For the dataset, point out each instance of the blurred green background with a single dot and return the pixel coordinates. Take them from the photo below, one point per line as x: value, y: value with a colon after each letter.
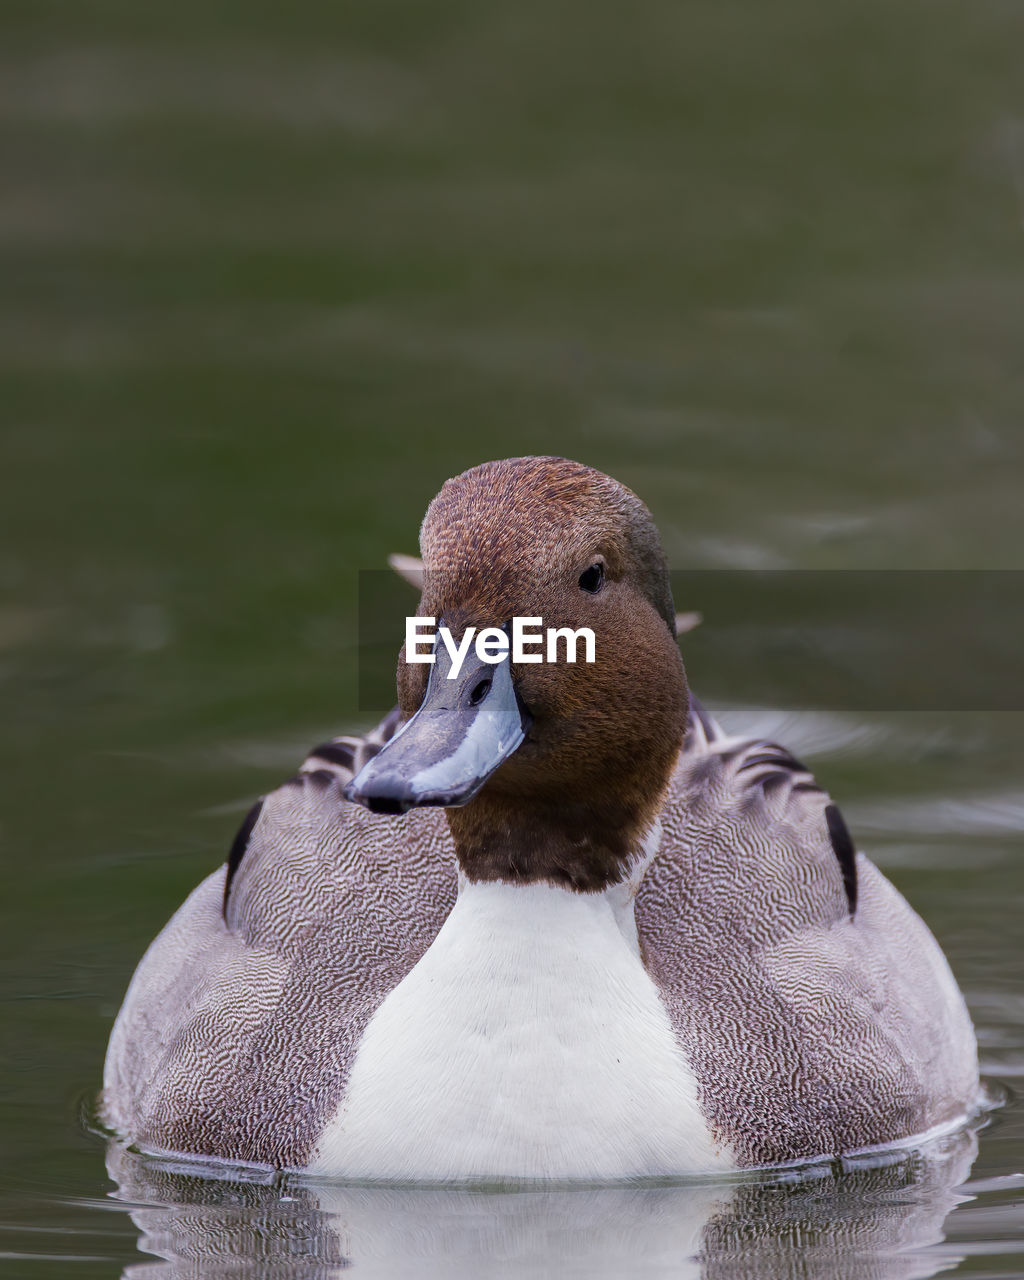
x: 271, y: 273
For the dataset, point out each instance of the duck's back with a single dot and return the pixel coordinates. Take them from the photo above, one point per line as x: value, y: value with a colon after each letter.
x: 818, y: 1012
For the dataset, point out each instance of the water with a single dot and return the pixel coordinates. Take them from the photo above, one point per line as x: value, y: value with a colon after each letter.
x: 269, y: 276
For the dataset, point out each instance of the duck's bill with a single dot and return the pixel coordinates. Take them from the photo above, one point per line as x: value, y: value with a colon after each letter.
x: 464, y: 729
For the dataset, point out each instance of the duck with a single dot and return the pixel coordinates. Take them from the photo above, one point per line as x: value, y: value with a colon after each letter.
x: 548, y: 921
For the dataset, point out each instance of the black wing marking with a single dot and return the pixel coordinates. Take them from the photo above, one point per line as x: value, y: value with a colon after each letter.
x: 340, y: 753
x: 346, y: 756
x: 238, y: 848
x: 842, y: 843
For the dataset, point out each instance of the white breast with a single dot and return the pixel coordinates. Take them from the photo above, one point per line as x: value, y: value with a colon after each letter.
x: 528, y: 1042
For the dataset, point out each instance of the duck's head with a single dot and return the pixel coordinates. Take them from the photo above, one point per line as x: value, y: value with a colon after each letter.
x: 548, y: 770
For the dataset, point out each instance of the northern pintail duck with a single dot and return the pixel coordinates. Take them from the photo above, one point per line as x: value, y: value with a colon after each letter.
x: 547, y: 921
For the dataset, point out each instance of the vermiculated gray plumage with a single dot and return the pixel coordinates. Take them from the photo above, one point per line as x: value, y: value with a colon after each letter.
x: 810, y: 1028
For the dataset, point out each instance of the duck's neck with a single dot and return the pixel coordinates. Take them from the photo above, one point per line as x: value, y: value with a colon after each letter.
x: 582, y: 847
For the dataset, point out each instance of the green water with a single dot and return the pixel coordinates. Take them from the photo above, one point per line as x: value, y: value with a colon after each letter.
x: 269, y: 275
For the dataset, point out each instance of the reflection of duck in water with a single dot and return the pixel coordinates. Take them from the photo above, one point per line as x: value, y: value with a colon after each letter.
x: 662, y: 954
x: 867, y: 1224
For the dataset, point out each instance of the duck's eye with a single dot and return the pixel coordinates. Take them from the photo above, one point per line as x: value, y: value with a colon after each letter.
x: 592, y: 579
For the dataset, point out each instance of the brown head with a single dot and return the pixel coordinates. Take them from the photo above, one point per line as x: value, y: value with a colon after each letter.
x: 548, y: 770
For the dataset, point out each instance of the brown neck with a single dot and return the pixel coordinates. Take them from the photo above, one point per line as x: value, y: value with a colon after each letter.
x: 581, y: 846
